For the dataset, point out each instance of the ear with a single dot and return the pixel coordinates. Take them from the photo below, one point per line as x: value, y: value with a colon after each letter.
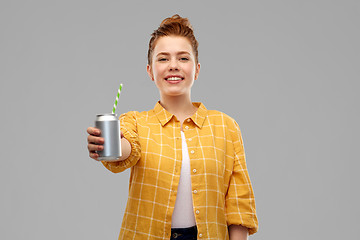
x: 197, y: 70
x: 150, y: 73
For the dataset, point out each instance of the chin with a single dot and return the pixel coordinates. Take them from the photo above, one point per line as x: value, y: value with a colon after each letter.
x: 174, y: 94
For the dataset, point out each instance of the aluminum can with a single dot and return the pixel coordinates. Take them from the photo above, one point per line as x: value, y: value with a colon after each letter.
x: 109, y: 126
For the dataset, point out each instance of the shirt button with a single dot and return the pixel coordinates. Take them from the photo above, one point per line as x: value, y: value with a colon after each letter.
x: 194, y: 170
x: 197, y: 211
x: 195, y: 191
x: 188, y: 120
x: 187, y: 127
x: 200, y: 235
x: 192, y: 151
x: 190, y: 139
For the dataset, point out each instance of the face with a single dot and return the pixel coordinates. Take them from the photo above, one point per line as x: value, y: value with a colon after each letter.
x: 173, y: 67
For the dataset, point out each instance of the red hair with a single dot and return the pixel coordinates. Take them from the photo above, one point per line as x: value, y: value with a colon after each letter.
x: 174, y: 26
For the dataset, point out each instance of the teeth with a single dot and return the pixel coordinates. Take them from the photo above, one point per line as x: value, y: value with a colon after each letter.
x: 174, y: 79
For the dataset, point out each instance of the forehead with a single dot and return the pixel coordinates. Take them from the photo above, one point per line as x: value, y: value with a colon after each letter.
x: 172, y: 44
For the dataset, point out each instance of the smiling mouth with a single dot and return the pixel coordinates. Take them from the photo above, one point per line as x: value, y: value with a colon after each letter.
x: 174, y: 79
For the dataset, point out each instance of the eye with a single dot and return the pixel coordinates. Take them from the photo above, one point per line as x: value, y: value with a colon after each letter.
x: 184, y: 59
x: 162, y: 59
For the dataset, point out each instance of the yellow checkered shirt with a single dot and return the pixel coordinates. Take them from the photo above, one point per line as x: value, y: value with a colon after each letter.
x: 223, y: 195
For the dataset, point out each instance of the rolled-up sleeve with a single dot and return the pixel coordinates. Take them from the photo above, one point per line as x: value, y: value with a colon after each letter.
x: 129, y: 130
x: 240, y: 200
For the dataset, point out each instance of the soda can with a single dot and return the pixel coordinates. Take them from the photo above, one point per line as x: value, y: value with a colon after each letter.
x: 109, y: 126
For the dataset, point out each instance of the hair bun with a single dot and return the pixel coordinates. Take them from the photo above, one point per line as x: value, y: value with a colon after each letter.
x: 174, y: 26
x: 176, y: 19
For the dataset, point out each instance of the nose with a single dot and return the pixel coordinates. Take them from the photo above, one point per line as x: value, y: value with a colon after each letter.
x: 173, y: 65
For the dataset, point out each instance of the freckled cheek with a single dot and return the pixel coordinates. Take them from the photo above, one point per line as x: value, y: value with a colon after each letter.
x: 159, y: 72
x: 190, y: 71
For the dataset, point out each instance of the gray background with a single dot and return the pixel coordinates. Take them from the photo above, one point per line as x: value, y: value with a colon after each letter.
x: 287, y: 71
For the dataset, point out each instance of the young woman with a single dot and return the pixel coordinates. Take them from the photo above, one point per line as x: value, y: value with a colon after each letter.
x: 188, y: 172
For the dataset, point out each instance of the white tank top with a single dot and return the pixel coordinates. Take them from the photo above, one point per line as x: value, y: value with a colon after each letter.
x: 183, y: 215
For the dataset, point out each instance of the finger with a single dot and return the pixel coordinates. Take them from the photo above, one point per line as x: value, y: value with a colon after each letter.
x: 95, y: 140
x: 93, y: 131
x: 93, y: 148
x: 94, y: 156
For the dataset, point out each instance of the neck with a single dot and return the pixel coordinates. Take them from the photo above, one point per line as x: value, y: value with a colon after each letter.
x: 180, y: 106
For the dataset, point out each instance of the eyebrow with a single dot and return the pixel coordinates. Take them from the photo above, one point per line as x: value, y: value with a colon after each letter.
x: 178, y: 53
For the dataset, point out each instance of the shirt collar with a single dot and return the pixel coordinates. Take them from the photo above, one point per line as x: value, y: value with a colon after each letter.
x: 164, y: 116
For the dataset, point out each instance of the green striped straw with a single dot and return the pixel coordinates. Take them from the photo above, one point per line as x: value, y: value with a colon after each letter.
x: 117, y: 98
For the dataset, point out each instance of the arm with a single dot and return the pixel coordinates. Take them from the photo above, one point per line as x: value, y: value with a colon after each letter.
x: 238, y: 232
x: 240, y: 200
